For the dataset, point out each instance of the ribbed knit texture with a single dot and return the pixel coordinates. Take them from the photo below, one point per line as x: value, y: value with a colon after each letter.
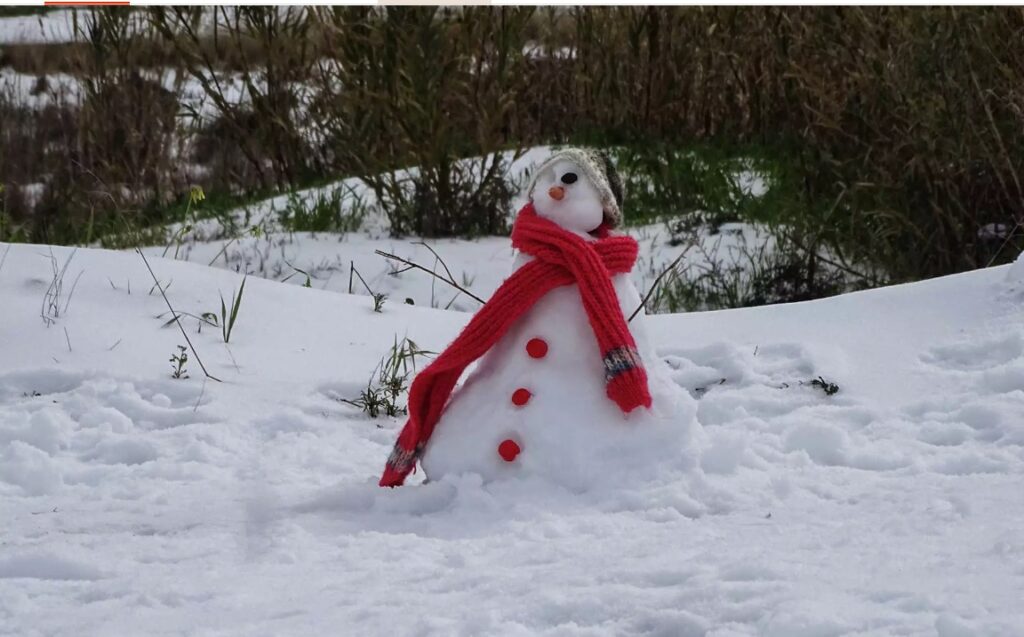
x: 560, y: 258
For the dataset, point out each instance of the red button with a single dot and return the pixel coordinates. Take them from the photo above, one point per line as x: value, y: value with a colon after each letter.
x: 508, y: 450
x: 521, y: 396
x: 537, y: 348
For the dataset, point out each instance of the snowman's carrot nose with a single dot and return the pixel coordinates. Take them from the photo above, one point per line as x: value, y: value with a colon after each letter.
x: 556, y: 192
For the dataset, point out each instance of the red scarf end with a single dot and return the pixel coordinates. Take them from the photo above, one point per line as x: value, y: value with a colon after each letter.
x: 628, y: 390
x: 400, y: 463
x: 392, y: 478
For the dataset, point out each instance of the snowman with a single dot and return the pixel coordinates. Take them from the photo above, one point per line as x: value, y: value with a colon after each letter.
x: 566, y: 388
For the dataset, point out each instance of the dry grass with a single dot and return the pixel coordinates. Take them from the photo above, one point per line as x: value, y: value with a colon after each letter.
x: 904, y: 125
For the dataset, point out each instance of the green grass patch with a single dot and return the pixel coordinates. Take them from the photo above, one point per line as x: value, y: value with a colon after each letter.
x: 705, y: 184
x: 324, y: 211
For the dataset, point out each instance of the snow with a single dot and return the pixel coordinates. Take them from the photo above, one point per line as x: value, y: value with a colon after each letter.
x: 538, y: 51
x: 135, y: 503
x: 49, y: 27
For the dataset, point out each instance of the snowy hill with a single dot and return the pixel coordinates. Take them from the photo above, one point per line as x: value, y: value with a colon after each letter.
x: 325, y: 260
x: 134, y: 503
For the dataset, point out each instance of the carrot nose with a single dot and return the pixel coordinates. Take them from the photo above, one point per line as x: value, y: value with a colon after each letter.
x: 556, y: 192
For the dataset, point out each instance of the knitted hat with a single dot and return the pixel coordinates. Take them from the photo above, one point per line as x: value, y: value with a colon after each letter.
x: 600, y: 171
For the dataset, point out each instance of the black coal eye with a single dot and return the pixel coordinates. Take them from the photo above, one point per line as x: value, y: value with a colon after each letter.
x: 569, y: 178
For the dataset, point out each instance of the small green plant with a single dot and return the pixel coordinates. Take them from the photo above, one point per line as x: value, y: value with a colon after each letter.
x: 209, y: 318
x: 195, y: 195
x: 386, y: 390
x: 206, y: 318
x: 378, y: 297
x: 178, y: 362
x: 324, y: 212
x: 227, y: 319
x: 309, y: 281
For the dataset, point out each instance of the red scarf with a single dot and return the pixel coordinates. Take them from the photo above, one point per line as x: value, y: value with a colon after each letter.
x: 560, y: 258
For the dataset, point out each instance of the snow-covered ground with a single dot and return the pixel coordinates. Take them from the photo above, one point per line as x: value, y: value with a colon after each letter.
x: 133, y: 503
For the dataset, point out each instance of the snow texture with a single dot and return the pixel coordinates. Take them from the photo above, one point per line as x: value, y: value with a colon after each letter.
x: 137, y: 504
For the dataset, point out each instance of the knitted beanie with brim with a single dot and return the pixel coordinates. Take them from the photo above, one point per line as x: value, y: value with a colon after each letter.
x: 599, y: 170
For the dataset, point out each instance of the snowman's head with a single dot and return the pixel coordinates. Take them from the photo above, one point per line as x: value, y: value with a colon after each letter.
x: 564, y: 194
x: 579, y: 189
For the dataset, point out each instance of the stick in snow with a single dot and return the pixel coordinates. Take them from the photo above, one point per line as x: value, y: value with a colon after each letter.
x: 411, y: 265
x: 654, y: 286
x: 175, y: 315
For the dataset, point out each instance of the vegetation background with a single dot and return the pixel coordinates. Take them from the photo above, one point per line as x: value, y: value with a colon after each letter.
x: 893, y: 136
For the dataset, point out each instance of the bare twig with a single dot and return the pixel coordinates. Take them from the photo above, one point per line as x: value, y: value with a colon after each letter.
x: 654, y: 286
x: 438, y: 257
x: 363, y: 281
x: 162, y: 288
x: 200, y: 319
x: 875, y: 281
x: 378, y: 297
x: 232, y: 357
x: 202, y: 391
x: 222, y: 251
x: 67, y: 338
x: 5, y: 256
x: 74, y: 285
x: 413, y: 265
x: 181, y: 327
x: 51, y: 308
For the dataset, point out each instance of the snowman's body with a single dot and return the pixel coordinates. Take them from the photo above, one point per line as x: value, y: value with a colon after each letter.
x: 542, y: 386
x: 569, y: 431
